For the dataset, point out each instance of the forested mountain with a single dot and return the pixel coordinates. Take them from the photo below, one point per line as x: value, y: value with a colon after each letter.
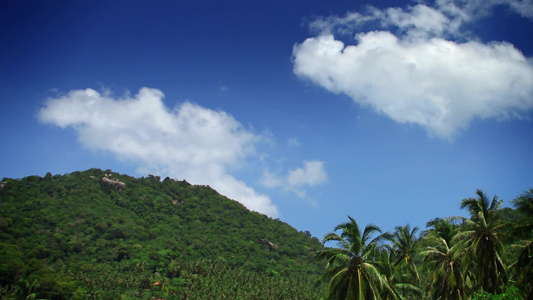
x: 101, y: 235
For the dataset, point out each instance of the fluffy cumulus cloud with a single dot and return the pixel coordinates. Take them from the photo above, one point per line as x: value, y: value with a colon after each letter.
x: 190, y: 141
x: 417, y: 66
x: 311, y: 174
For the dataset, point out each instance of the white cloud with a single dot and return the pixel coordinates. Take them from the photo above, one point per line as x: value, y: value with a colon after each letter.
x: 313, y: 173
x: 270, y: 180
x: 522, y: 7
x: 482, y: 8
x: 293, y: 142
x: 222, y: 89
x: 190, y: 141
x: 420, y: 20
x: 415, y: 75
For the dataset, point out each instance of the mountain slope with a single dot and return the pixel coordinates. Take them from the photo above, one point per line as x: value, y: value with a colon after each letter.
x: 101, y: 235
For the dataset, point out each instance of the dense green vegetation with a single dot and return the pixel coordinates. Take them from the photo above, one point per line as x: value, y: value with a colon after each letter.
x: 486, y: 256
x: 79, y: 236
x: 76, y: 236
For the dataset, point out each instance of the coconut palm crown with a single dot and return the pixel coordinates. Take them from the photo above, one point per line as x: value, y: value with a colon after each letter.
x: 448, y: 280
x: 405, y: 245
x: 351, y: 268
x: 482, y: 236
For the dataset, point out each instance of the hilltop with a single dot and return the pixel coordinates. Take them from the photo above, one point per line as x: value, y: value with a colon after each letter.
x: 102, y: 235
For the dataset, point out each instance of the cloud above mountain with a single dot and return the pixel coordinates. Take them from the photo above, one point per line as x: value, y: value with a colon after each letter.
x: 419, y: 65
x: 312, y: 173
x: 189, y: 142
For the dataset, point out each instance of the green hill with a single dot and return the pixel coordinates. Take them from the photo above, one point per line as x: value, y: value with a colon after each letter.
x: 85, y: 235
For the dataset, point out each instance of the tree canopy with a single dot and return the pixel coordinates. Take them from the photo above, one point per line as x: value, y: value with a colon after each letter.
x: 82, y: 235
x: 102, y: 235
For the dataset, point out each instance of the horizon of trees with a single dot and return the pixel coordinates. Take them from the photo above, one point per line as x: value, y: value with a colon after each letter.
x: 486, y: 256
x: 72, y: 237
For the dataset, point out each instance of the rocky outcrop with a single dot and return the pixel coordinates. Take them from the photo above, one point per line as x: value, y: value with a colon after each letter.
x: 271, y: 245
x: 113, y: 182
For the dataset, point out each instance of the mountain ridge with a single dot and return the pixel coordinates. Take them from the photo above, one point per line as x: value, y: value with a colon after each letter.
x: 76, y: 225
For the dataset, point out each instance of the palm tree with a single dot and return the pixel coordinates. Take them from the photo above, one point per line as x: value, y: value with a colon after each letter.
x: 351, y: 268
x: 385, y: 266
x: 525, y: 202
x: 481, y: 235
x: 443, y: 258
x: 445, y: 228
x: 524, y: 264
x: 394, y: 277
x: 404, y: 247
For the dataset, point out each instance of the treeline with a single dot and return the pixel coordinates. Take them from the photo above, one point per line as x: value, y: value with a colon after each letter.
x: 79, y: 236
x: 486, y: 256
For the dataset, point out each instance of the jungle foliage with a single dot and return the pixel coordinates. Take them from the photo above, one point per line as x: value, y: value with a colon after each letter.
x: 73, y: 236
x: 77, y: 236
x: 486, y: 256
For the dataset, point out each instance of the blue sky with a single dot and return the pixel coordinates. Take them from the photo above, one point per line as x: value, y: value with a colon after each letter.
x: 307, y: 111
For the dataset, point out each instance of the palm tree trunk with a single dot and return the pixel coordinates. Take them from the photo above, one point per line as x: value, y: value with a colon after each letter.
x: 359, y: 285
